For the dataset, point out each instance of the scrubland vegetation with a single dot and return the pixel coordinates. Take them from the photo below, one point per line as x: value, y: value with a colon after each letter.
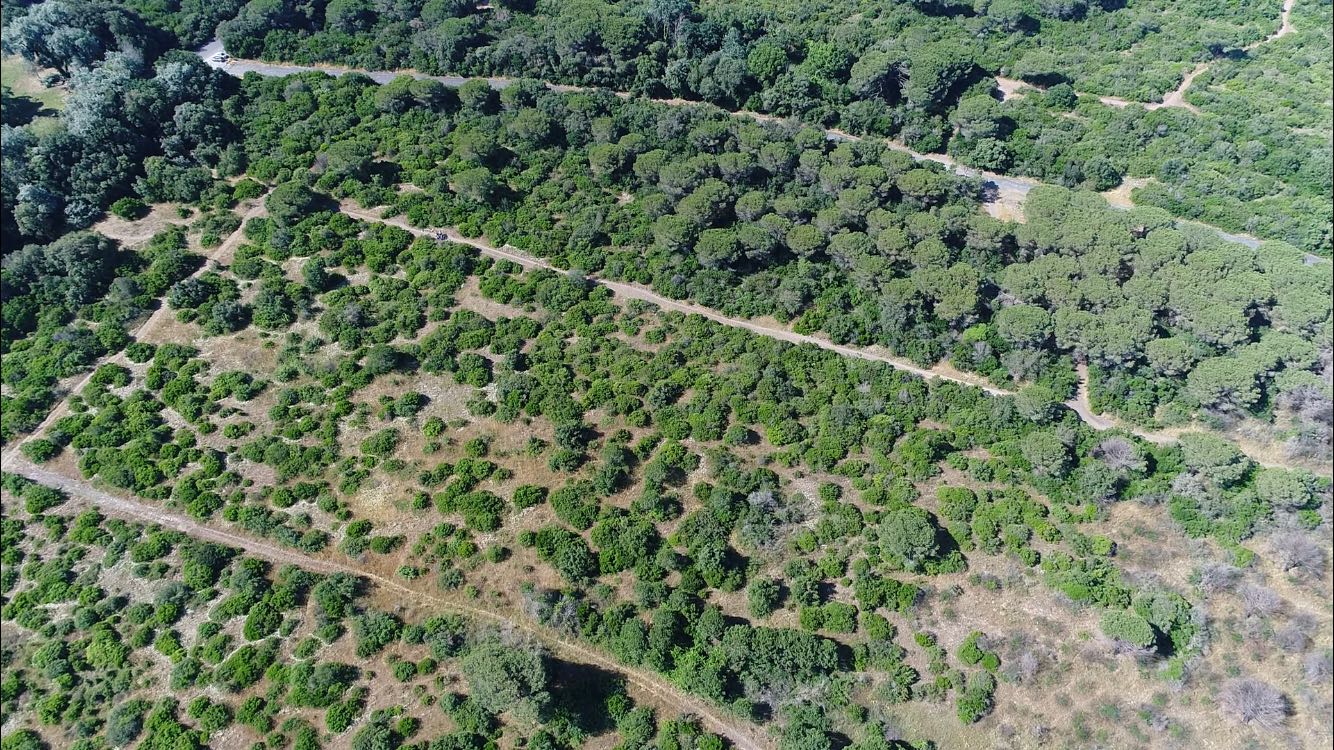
x: 691, y: 535
x: 125, y: 635
x: 922, y: 72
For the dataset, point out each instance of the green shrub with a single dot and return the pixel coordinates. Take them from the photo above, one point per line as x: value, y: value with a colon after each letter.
x: 375, y: 630
x: 1128, y: 627
x: 129, y: 208
x: 528, y: 495
x: 40, y: 450
x: 382, y: 443
x: 840, y: 617
x: 39, y: 498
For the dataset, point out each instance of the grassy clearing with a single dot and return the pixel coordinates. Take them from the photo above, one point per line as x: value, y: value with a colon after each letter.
x: 21, y: 78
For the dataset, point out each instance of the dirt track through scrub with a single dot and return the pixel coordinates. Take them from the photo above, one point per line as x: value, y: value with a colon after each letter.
x: 1177, y: 97
x: 220, y: 254
x: 737, y: 731
x: 634, y: 291
x: 1009, y: 191
x: 1080, y: 404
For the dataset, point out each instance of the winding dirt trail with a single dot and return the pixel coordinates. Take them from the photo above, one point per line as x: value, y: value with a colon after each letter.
x: 1008, y: 188
x: 1177, y: 97
x: 1284, y: 27
x: 1009, y: 191
x: 742, y: 734
x: 1084, y: 408
x: 221, y: 254
x: 1080, y: 405
x: 635, y: 291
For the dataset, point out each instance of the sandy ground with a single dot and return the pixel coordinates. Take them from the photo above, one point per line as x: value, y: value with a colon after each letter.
x: 1119, y: 196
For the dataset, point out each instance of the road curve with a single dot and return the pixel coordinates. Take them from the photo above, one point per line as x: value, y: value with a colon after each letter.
x: 737, y: 731
x: 1177, y: 97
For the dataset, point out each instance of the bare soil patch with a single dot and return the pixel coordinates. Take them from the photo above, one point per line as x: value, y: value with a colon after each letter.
x: 135, y: 232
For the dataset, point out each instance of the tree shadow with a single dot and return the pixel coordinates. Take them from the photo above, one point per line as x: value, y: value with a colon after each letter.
x: 582, y: 690
x: 945, y: 9
x: 1028, y: 25
x: 389, y: 173
x: 956, y: 90
x: 1045, y: 80
x: 19, y: 109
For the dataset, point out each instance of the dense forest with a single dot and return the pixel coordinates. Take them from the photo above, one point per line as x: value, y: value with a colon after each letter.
x: 508, y: 490
x: 923, y: 73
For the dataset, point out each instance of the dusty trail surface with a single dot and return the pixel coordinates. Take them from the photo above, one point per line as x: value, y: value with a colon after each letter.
x: 1080, y: 404
x: 738, y: 732
x: 634, y: 291
x: 1009, y: 191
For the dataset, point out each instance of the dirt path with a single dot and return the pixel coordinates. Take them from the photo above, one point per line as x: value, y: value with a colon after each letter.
x: 221, y: 254
x: 1008, y: 191
x: 1262, y: 454
x: 1080, y: 404
x: 740, y: 733
x: 1177, y: 97
x: 1284, y: 27
x: 634, y: 291
x: 1084, y: 408
x: 1120, y: 196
